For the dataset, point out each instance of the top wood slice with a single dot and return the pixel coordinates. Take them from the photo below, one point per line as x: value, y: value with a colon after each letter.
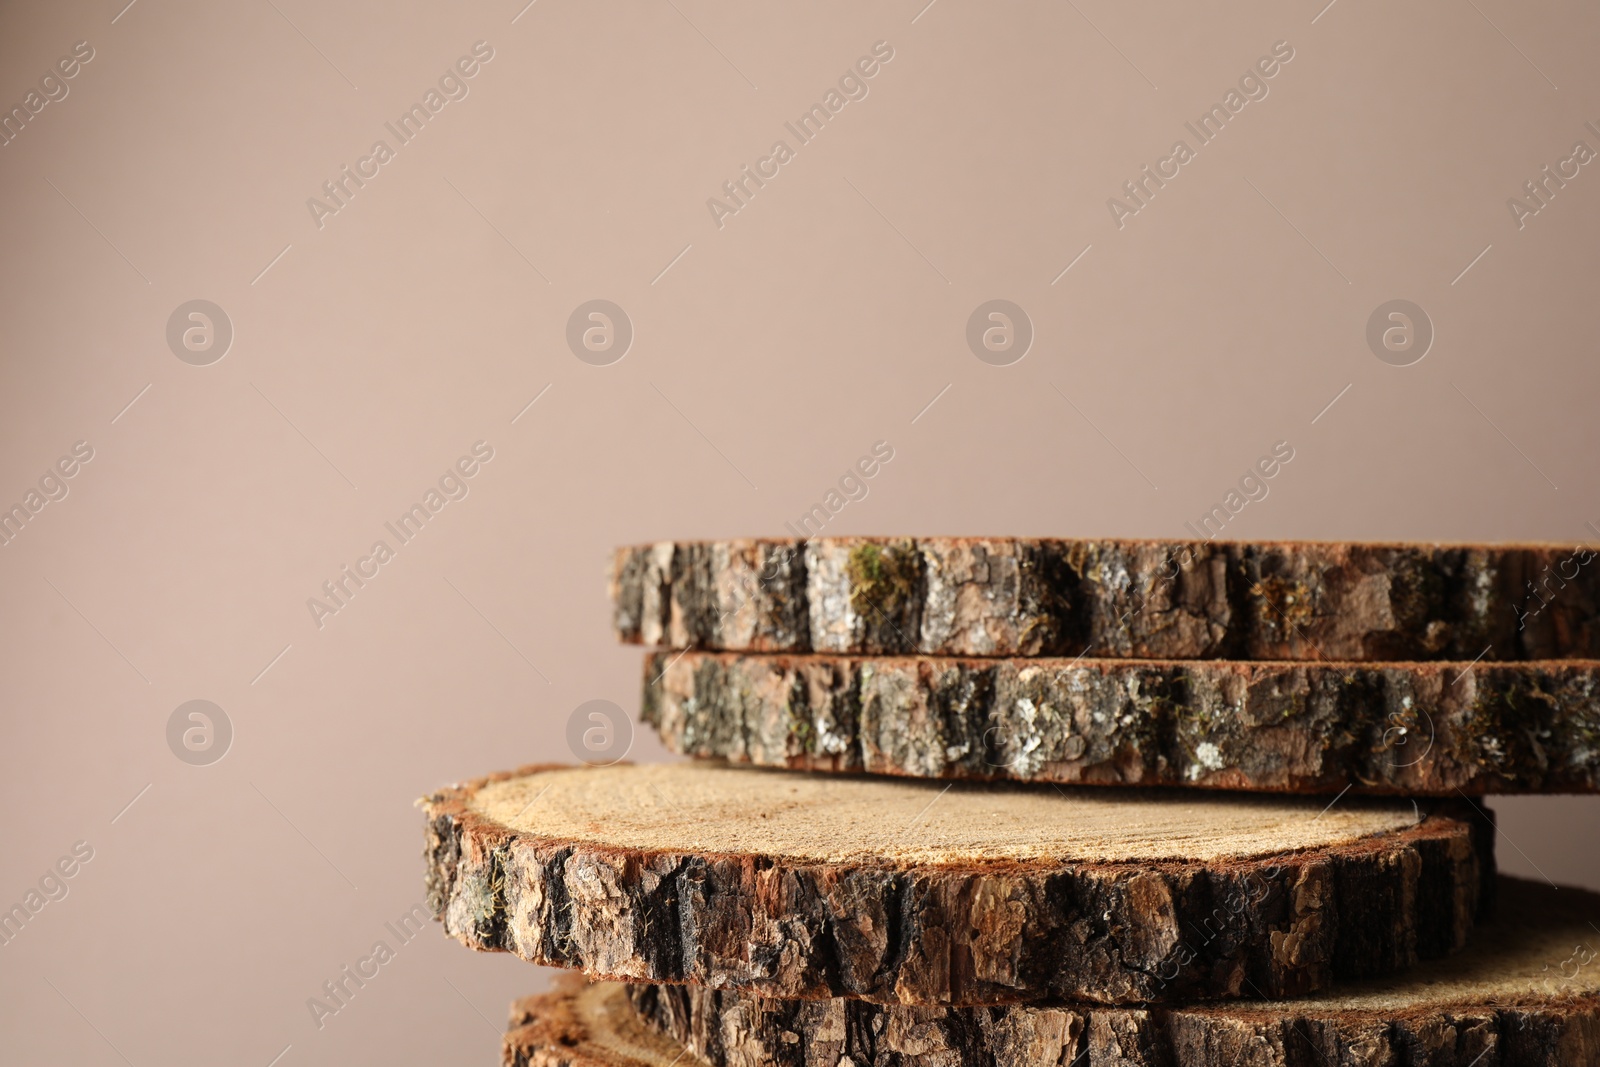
x: 1112, y: 598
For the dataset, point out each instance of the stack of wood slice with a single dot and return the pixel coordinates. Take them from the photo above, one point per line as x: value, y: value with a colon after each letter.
x: 1013, y: 802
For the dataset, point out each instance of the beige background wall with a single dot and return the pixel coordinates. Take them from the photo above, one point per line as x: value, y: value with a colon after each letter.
x: 372, y: 351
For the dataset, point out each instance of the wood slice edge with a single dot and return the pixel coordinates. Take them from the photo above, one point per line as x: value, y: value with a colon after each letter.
x: 1292, y: 926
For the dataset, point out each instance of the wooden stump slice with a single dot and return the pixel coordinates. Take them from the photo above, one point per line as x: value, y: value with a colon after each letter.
x: 1406, y: 728
x: 1140, y: 599
x: 582, y: 1024
x: 1524, y: 993
x: 898, y: 891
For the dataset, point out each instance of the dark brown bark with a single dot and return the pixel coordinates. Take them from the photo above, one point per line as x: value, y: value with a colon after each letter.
x: 799, y: 1033
x: 1397, y: 728
x: 1139, y: 599
x: 911, y: 933
x: 1516, y: 1014
x: 728, y: 1030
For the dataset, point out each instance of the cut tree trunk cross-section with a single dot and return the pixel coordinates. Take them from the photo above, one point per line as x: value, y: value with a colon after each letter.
x: 1141, y: 599
x: 897, y: 891
x: 1407, y: 728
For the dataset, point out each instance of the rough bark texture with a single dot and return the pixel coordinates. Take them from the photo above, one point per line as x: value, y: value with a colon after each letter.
x: 1407, y: 728
x: 999, y: 932
x: 1524, y: 994
x: 727, y: 1030
x: 1143, y: 599
x: 577, y: 1024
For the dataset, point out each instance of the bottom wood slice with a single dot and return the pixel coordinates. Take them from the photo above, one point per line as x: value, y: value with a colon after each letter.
x: 1526, y: 992
x: 789, y: 884
x: 579, y: 1024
